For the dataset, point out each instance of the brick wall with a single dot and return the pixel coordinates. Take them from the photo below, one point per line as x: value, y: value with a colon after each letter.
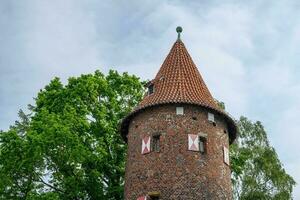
x: 176, y: 172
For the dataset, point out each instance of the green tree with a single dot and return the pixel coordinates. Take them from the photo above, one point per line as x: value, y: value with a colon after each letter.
x: 69, y: 146
x: 257, y: 172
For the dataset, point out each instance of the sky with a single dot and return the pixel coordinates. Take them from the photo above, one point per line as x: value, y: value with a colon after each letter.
x: 248, y: 52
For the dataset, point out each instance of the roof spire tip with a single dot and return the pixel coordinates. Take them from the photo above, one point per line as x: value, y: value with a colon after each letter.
x: 179, y: 30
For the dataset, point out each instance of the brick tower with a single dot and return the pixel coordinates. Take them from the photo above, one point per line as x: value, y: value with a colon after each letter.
x: 178, y: 138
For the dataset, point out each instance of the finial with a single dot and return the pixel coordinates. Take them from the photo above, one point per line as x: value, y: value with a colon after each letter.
x: 178, y: 30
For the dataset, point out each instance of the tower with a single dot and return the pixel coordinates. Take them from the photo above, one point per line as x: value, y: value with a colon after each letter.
x: 178, y: 137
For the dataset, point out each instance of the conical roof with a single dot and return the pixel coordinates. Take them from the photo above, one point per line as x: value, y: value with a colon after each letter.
x: 179, y: 81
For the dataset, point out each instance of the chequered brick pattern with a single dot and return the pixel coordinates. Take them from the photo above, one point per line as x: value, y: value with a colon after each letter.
x: 176, y: 172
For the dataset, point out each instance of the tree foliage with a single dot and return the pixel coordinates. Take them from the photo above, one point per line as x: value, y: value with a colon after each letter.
x: 69, y: 146
x: 256, y: 169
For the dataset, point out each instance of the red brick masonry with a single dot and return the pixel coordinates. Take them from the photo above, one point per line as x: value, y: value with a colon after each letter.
x: 175, y: 172
x: 179, y: 81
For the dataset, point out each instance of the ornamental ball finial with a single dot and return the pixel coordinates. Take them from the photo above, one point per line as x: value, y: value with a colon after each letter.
x: 179, y: 30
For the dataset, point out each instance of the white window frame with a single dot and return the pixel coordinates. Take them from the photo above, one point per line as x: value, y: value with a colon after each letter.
x: 211, y: 117
x: 226, y: 155
x: 179, y: 111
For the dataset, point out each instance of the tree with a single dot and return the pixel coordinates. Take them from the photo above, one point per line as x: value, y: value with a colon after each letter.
x: 257, y: 172
x: 69, y: 146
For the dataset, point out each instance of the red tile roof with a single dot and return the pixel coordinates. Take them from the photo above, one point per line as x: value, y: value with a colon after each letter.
x: 179, y: 81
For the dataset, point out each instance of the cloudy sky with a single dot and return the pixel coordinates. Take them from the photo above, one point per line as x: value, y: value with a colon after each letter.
x: 248, y: 53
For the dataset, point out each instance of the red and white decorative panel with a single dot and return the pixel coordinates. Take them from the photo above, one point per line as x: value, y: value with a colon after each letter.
x: 226, y: 155
x: 142, y: 198
x: 193, y: 142
x: 146, y: 144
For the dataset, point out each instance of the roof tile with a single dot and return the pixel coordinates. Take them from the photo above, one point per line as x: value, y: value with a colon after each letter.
x: 179, y: 81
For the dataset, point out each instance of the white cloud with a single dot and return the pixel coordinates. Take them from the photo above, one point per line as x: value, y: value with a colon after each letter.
x: 248, y: 53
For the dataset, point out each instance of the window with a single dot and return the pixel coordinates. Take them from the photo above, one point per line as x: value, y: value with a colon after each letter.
x: 211, y: 117
x: 202, y: 144
x: 150, y: 89
x: 154, y: 195
x: 179, y: 111
x: 156, y: 143
x: 197, y: 142
x: 226, y: 155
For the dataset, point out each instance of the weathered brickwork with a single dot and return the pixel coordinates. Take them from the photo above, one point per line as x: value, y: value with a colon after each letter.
x: 175, y: 172
x: 178, y: 171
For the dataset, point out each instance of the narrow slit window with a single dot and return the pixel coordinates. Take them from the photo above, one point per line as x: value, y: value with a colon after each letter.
x: 179, y: 111
x: 211, y: 117
x: 150, y: 89
x: 202, y: 145
x: 156, y: 143
x: 226, y: 155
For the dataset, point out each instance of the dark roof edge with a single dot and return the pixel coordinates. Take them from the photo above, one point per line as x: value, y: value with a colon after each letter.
x: 232, y: 128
